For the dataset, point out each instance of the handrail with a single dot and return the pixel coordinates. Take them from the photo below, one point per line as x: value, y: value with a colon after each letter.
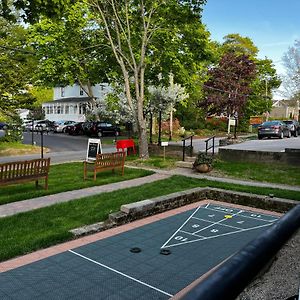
x: 234, y: 275
x: 183, y: 145
x: 210, y: 147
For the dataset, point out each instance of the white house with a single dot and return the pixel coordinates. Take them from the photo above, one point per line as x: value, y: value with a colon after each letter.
x: 288, y: 109
x: 70, y: 102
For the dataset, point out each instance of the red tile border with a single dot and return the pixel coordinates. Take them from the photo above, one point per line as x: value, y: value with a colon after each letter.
x: 44, y: 253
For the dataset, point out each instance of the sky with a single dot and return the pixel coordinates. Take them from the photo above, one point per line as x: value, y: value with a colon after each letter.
x: 273, y: 25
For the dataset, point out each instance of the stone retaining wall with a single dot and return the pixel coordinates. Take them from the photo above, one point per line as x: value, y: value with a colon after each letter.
x: 144, y: 208
x: 290, y: 156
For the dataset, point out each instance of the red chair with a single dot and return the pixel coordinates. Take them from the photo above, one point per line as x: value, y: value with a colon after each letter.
x: 121, y: 145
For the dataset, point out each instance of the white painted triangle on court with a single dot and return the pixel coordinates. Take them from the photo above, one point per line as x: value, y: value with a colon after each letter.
x: 190, y: 231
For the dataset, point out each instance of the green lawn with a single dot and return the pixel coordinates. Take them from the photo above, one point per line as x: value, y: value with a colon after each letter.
x: 65, y: 177
x: 273, y: 173
x: 27, y: 232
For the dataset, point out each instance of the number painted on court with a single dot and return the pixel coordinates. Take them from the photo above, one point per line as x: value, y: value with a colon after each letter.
x: 181, y: 238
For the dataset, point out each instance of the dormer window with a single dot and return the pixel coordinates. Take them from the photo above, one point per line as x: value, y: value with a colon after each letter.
x: 62, y: 91
x: 81, y: 91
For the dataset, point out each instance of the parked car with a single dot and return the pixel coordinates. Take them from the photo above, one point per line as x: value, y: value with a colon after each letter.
x: 103, y: 128
x: 45, y: 124
x: 2, y: 125
x: 60, y: 126
x: 74, y: 129
x: 273, y: 129
x: 293, y: 126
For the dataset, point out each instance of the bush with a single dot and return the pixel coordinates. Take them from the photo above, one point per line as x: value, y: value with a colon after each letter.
x: 203, y: 158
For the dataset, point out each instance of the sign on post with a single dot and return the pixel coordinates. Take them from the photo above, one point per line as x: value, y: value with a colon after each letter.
x: 164, y: 144
x: 94, y: 148
x: 231, y: 122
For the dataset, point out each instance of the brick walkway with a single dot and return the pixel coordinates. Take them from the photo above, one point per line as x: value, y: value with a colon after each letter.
x: 27, y: 205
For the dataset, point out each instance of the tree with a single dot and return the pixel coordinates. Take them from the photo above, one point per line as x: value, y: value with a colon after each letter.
x: 163, y: 99
x: 238, y: 44
x: 17, y: 64
x: 69, y: 51
x: 265, y: 81
x: 291, y: 60
x: 132, y: 31
x: 229, y: 85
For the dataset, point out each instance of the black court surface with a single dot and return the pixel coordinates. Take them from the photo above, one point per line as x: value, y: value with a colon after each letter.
x: 154, y: 261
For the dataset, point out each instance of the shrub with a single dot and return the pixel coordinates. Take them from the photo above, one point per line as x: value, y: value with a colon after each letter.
x: 203, y: 158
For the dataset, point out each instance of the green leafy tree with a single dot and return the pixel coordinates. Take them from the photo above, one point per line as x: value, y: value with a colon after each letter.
x: 17, y: 64
x: 132, y: 33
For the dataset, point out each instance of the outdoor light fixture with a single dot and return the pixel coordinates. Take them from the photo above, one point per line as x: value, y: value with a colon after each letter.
x: 40, y: 128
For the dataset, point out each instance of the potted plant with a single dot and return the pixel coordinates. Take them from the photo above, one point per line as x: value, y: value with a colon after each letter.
x: 203, y: 162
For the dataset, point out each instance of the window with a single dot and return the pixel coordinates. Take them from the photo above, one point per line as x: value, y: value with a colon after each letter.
x: 67, y: 109
x: 51, y: 109
x: 62, y: 91
x: 81, y: 91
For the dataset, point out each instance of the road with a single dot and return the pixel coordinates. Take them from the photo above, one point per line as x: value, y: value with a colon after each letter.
x: 73, y: 148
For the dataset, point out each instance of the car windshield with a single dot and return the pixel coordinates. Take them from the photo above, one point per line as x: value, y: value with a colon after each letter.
x: 270, y: 123
x: 288, y: 122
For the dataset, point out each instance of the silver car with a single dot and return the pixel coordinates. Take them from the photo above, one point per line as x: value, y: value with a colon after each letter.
x: 273, y: 129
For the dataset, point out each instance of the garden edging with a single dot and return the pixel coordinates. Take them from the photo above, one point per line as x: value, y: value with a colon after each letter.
x: 138, y: 210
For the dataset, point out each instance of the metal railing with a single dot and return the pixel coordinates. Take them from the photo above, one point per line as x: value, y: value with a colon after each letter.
x: 184, y: 146
x: 210, y: 146
x: 234, y: 275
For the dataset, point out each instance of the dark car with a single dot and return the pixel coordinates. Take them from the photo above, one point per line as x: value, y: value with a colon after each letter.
x: 273, y: 129
x: 2, y: 125
x: 74, y: 129
x: 103, y: 128
x: 293, y: 126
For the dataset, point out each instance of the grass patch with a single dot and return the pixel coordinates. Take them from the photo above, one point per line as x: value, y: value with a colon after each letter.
x: 11, y: 149
x: 155, y: 162
x: 66, y: 177
x: 27, y: 232
x: 263, y: 172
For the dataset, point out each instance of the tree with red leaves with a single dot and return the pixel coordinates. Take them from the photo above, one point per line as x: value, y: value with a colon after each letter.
x: 228, y: 86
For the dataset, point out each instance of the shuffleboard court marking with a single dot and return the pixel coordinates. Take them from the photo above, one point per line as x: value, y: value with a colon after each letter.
x: 181, y: 236
x: 252, y: 216
x: 214, y: 223
x: 121, y: 273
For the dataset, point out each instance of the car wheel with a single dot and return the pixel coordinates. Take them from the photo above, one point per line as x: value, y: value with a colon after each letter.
x: 64, y: 130
x: 295, y: 133
x: 289, y: 134
x: 281, y: 135
x: 99, y: 134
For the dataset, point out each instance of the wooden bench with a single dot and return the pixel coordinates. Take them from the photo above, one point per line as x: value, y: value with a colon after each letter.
x: 23, y: 171
x: 121, y: 145
x: 106, y: 161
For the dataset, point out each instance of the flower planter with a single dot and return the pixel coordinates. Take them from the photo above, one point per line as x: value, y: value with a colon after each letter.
x: 203, y: 168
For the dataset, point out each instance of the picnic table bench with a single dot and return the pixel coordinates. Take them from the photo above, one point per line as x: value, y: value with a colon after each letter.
x: 23, y: 171
x: 128, y: 144
x: 105, y: 161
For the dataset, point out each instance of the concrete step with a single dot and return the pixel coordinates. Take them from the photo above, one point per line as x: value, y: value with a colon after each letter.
x: 190, y: 158
x: 185, y: 164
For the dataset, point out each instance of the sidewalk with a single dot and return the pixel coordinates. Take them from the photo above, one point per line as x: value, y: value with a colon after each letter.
x: 31, y: 204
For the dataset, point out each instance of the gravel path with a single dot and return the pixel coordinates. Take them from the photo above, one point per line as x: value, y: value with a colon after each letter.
x: 282, y: 280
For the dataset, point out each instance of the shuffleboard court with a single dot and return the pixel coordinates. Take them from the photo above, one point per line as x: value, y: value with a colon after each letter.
x: 154, y: 261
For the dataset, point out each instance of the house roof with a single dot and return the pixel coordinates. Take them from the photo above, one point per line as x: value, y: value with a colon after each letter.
x: 70, y: 99
x: 290, y: 103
